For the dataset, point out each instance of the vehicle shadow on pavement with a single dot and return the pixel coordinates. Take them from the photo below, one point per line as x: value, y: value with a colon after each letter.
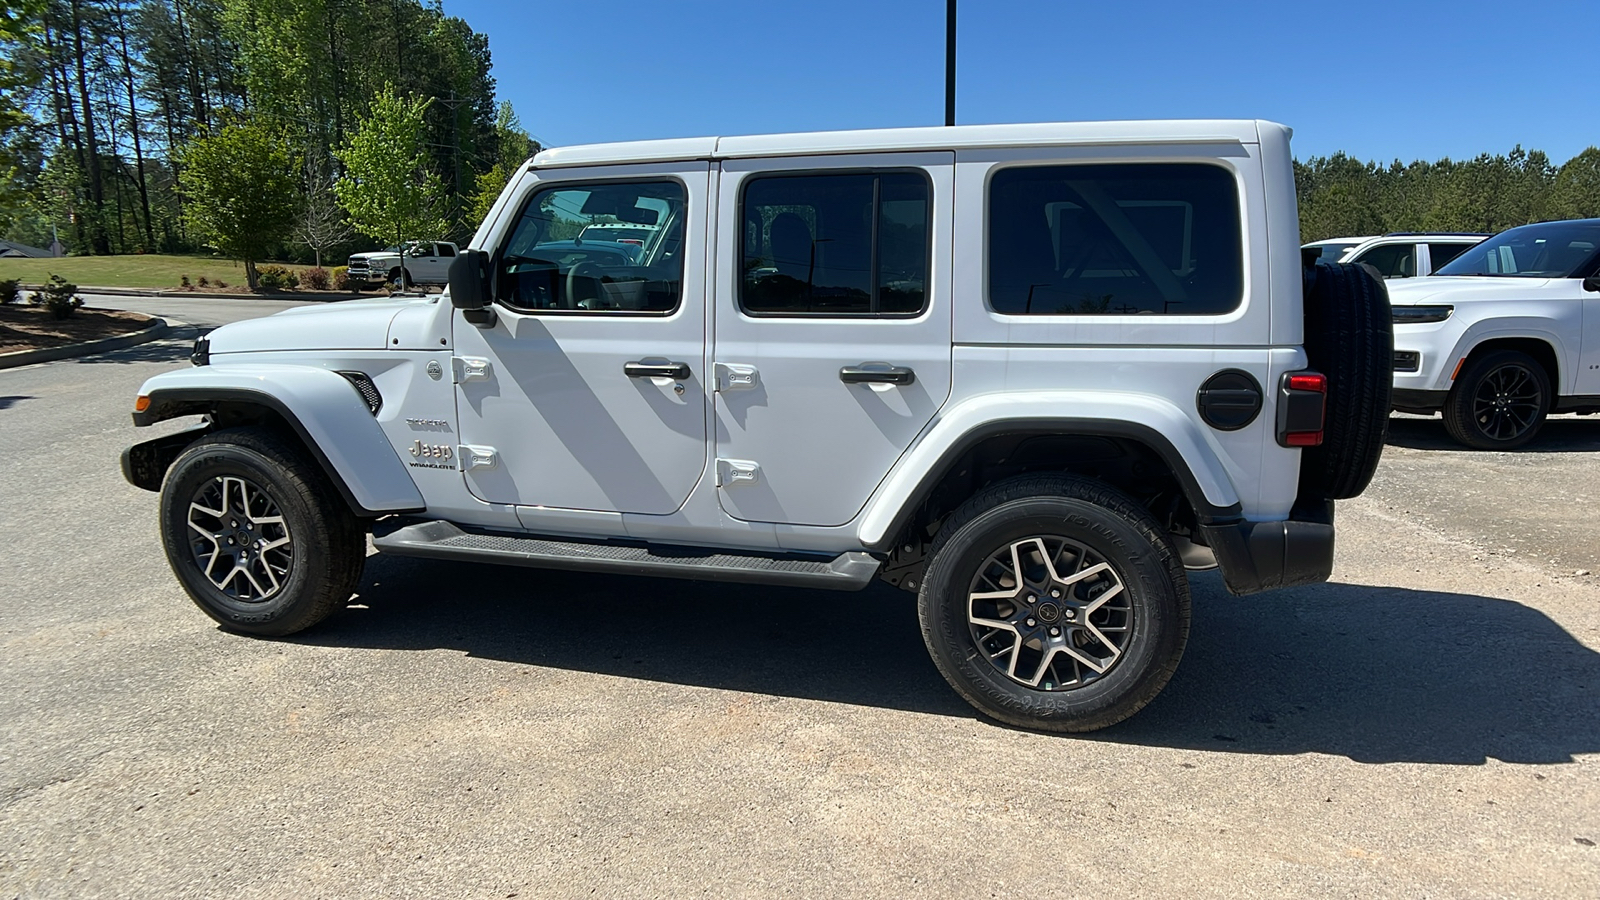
x: 174, y: 346
x: 13, y: 400
x: 1557, y: 436
x: 1373, y: 674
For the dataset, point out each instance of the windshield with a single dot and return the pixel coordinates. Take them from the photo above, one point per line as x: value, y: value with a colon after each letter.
x: 1545, y: 250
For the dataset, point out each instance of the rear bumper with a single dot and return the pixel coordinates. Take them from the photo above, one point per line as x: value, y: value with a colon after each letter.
x: 1260, y: 556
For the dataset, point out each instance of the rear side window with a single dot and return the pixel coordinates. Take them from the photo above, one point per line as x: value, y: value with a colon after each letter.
x: 1137, y: 239
x: 1391, y: 260
x: 853, y: 244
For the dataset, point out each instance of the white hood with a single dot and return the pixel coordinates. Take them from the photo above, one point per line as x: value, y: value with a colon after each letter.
x: 1453, y: 289
x: 341, y: 325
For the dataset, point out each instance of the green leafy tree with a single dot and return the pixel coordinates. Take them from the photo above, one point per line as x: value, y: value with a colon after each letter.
x: 1575, y: 194
x: 513, y: 148
x: 390, y: 188
x: 21, y: 21
x: 241, y: 194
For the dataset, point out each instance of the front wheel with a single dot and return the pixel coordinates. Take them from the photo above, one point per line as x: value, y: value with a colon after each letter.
x: 1499, y: 402
x: 1056, y: 603
x: 256, y: 534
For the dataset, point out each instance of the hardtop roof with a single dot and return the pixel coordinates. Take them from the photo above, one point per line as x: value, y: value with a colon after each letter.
x: 879, y: 140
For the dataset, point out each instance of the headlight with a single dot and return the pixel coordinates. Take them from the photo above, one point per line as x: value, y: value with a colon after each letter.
x: 1420, y: 315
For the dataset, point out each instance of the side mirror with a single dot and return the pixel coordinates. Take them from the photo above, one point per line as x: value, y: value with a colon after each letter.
x: 1592, y: 283
x: 471, y: 286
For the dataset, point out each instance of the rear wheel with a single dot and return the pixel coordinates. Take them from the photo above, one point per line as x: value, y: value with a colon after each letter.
x: 1054, y: 602
x: 1499, y: 402
x: 253, y: 536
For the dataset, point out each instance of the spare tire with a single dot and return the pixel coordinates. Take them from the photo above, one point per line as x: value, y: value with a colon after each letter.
x: 1349, y: 337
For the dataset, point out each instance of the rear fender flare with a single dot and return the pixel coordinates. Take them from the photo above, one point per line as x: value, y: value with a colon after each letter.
x: 324, y: 410
x: 1154, y: 422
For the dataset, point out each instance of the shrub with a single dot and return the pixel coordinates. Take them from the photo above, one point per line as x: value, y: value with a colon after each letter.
x: 59, y: 297
x: 271, y: 278
x: 316, y: 278
x: 10, y: 291
x: 291, y: 279
x: 183, y: 282
x: 203, y: 282
x: 220, y: 283
x: 340, y: 277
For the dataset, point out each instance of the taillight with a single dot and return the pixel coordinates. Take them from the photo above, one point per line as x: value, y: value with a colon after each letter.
x: 1302, y: 401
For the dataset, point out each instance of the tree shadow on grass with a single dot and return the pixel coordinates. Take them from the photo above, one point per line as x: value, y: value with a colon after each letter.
x: 1372, y: 674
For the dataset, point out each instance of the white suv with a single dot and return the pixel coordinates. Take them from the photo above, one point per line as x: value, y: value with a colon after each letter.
x: 1029, y: 372
x: 1399, y: 254
x: 1503, y: 335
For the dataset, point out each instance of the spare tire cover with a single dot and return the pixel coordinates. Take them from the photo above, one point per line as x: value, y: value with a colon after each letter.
x: 1349, y: 337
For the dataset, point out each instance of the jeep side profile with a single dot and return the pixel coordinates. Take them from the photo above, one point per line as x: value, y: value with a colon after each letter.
x: 1030, y: 373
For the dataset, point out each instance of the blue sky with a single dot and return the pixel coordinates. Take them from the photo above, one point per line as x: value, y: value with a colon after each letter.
x: 1380, y: 80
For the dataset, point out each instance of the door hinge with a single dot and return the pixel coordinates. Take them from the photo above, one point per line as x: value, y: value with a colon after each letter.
x: 734, y: 472
x: 470, y: 368
x: 472, y: 457
x: 736, y: 377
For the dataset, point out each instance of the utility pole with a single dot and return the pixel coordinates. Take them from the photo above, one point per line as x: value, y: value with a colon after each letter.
x: 950, y: 63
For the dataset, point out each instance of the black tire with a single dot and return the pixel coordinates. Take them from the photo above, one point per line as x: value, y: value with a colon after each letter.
x: 1104, y: 524
x: 251, y: 473
x: 397, y: 278
x: 1499, y: 401
x: 1349, y: 337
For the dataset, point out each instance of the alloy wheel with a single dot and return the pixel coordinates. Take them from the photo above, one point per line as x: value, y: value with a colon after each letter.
x: 1507, y: 402
x: 1049, y: 613
x: 239, y: 540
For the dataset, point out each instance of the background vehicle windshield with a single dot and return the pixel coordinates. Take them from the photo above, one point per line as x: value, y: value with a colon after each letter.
x: 1545, y: 250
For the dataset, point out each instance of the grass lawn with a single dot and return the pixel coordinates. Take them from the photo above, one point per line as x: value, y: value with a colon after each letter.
x: 146, y: 271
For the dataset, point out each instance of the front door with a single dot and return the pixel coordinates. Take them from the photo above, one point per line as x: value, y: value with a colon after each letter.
x: 588, y: 391
x: 832, y: 327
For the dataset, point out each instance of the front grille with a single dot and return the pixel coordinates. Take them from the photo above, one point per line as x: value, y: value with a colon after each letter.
x: 1407, y: 360
x: 368, y: 391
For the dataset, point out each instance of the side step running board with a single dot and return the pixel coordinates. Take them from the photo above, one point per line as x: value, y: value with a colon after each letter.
x: 444, y: 540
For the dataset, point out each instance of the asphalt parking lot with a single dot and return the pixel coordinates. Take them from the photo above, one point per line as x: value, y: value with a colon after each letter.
x: 1427, y: 724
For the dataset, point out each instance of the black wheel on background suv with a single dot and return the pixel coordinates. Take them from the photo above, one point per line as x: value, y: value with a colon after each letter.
x: 256, y: 535
x: 1054, y: 602
x: 1498, y: 402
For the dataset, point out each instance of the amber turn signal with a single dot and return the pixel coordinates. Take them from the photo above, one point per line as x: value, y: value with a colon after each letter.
x: 141, y: 404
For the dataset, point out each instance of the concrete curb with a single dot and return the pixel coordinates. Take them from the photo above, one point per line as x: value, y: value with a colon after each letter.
x: 171, y: 293
x: 156, y: 329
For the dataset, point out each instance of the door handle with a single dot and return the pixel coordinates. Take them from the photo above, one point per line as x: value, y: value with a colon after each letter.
x: 677, y: 370
x: 877, y: 373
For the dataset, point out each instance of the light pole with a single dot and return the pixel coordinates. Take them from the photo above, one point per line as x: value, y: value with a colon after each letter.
x: 950, y: 63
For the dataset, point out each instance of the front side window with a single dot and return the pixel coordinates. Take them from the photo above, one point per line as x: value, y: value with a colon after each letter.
x: 1545, y: 250
x: 835, y: 244
x: 1135, y: 239
x: 596, y: 248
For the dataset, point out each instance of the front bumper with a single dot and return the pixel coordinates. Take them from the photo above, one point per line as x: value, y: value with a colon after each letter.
x: 1260, y: 556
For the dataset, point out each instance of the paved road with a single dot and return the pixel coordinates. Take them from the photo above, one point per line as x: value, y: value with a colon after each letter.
x: 1426, y: 725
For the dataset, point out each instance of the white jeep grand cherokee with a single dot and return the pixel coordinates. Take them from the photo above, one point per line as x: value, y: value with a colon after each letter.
x: 1503, y: 335
x: 1030, y: 372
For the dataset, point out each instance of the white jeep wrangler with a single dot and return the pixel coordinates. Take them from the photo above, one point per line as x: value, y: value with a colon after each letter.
x: 1030, y: 372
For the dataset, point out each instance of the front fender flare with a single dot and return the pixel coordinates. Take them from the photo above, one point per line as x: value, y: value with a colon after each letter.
x: 1156, y: 423
x: 325, y: 411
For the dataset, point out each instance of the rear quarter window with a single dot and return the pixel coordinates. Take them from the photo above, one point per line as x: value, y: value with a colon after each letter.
x: 1127, y: 239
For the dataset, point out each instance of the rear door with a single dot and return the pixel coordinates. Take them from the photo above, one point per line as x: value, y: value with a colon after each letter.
x: 831, y: 334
